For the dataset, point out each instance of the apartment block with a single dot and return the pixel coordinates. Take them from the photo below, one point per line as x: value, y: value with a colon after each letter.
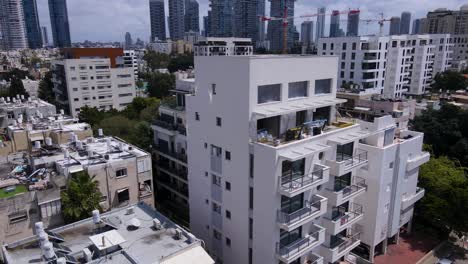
x: 213, y: 46
x: 132, y: 234
x: 390, y: 65
x: 94, y: 77
x: 13, y: 108
x: 460, y: 52
x: 277, y: 176
x: 130, y: 61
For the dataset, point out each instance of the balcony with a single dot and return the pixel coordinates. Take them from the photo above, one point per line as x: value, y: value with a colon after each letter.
x: 412, y: 199
x: 417, y: 161
x: 313, y: 258
x: 179, y: 173
x: 292, y: 185
x: 180, y: 157
x: 341, y: 246
x: 168, y: 128
x: 302, y: 246
x: 344, y: 162
x: 312, y: 209
x: 343, y: 192
x: 343, y: 220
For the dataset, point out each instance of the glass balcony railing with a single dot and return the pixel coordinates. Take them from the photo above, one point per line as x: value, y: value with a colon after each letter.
x: 349, y: 189
x: 299, y: 245
x: 343, y: 243
x: 350, y: 161
x: 343, y: 218
x: 310, y: 207
x: 291, y: 182
x: 180, y: 156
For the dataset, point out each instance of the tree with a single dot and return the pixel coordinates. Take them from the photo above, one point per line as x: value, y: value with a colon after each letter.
x: 180, y: 62
x: 81, y: 197
x: 445, y: 203
x: 142, y: 136
x: 159, y: 84
x: 16, y: 87
x: 45, y: 90
x: 156, y: 60
x: 449, y: 81
x: 118, y: 126
x: 91, y: 115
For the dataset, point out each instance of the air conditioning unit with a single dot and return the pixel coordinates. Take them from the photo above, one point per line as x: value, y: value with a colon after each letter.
x: 87, y: 255
x: 157, y: 224
x: 178, y: 234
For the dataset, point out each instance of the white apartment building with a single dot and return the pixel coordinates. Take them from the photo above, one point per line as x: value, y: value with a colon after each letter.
x: 460, y: 52
x: 130, y: 61
x: 389, y: 65
x: 92, y: 77
x: 276, y: 177
x: 213, y: 46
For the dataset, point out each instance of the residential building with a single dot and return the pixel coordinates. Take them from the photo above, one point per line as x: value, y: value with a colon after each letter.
x: 275, y: 27
x: 45, y: 36
x: 246, y: 20
x: 416, y: 29
x: 395, y: 25
x: 95, y: 77
x: 192, y: 21
x: 133, y: 234
x: 310, y: 177
x: 405, y: 23
x: 206, y: 25
x: 320, y: 32
x: 261, y: 35
x: 31, y: 87
x: 223, y: 47
x: 170, y: 139
x: 59, y: 22
x: 335, y: 24
x: 157, y: 20
x: 161, y: 46
x: 391, y: 65
x: 447, y: 21
x: 33, y: 27
x: 128, y: 40
x: 12, y: 25
x: 12, y: 109
x: 130, y: 60
x: 460, y: 52
x: 176, y: 19
x: 307, y: 33
x: 221, y: 18
x: 352, y: 30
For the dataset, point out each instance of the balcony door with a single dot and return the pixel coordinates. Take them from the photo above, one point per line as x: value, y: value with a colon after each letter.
x: 287, y: 238
x: 291, y: 205
x: 291, y: 170
x: 338, y: 211
x: 342, y: 182
x: 344, y: 152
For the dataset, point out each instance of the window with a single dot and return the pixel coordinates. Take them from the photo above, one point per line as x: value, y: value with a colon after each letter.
x: 124, y: 75
x: 250, y: 228
x: 351, y: 75
x: 352, y: 66
x: 343, y: 65
x: 218, y: 121
x: 297, y: 89
x: 121, y: 172
x: 344, y: 46
x: 72, y: 68
x: 269, y: 93
x: 228, y: 186
x: 76, y: 99
x: 100, y: 67
x: 123, y: 195
x: 83, y: 78
x: 324, y: 46
x: 343, y: 55
x: 124, y: 85
x: 390, y: 166
x: 125, y: 95
x: 251, y: 165
x: 341, y: 75
x: 323, y: 86
x: 82, y: 67
x: 216, y: 208
x: 251, y: 202
x: 353, y: 55
x: 213, y: 88
x: 228, y: 242
x: 216, y: 234
x: 75, y: 89
x: 228, y: 214
x: 73, y: 78
x: 354, y: 46
x: 216, y: 180
x: 197, y: 117
x: 228, y: 155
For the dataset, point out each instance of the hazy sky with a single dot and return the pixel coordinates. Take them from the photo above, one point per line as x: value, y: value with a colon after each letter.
x: 108, y: 20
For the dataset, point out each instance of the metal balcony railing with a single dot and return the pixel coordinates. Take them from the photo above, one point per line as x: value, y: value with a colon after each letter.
x: 342, y: 186
x: 179, y: 156
x: 355, y: 210
x: 296, y: 216
x: 298, y: 245
x: 342, y: 243
x: 292, y: 181
x: 349, y: 161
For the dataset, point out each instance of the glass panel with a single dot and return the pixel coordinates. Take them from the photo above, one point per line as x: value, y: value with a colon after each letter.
x: 323, y: 86
x: 297, y: 89
x: 290, y: 205
x: 389, y: 134
x: 287, y: 238
x: 301, y: 117
x: 269, y: 93
x: 344, y: 152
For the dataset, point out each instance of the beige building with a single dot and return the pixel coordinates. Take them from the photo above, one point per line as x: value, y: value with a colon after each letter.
x: 447, y: 21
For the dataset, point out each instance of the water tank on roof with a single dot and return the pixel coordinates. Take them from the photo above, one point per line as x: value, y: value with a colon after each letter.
x: 48, y: 250
x: 96, y: 217
x: 37, y: 144
x: 48, y: 141
x: 38, y: 227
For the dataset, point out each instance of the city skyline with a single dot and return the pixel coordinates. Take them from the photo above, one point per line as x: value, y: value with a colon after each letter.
x: 85, y: 14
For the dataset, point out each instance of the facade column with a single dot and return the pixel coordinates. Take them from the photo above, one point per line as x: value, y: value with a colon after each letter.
x: 384, y: 246
x: 409, y: 226
x: 371, y: 254
x: 397, y: 237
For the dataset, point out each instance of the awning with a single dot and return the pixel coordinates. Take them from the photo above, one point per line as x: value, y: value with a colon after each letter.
x: 196, y: 255
x: 302, y: 150
x: 344, y: 138
x: 294, y: 106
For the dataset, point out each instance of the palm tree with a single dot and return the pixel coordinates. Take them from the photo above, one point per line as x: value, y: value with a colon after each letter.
x: 81, y: 197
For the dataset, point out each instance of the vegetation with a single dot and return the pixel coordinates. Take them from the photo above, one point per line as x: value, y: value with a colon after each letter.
x: 449, y: 81
x: 180, y: 62
x: 445, y: 203
x: 155, y: 60
x: 159, y: 84
x: 19, y: 189
x: 446, y: 130
x: 45, y: 90
x: 81, y: 197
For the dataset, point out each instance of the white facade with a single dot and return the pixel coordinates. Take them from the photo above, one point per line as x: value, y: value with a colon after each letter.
x: 130, y: 61
x: 213, y: 46
x: 460, y: 52
x: 273, y: 175
x: 92, y: 82
x: 12, y: 25
x: 390, y: 65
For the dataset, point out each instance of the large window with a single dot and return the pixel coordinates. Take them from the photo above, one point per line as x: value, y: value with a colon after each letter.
x: 297, y: 89
x: 323, y: 86
x: 269, y: 93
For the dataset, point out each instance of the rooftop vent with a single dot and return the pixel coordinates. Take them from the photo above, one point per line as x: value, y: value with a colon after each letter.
x: 157, y: 224
x: 130, y: 210
x: 178, y: 234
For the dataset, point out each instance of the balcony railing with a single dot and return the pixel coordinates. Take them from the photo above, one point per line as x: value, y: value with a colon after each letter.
x: 358, y: 184
x: 179, y: 156
x: 182, y: 173
x: 350, y: 161
x: 296, y: 216
x: 343, y: 218
x: 342, y: 243
x: 169, y: 126
x: 291, y: 181
x: 297, y: 246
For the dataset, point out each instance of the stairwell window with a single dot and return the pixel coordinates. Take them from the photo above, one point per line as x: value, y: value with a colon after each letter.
x: 218, y: 121
x: 213, y: 88
x: 121, y: 173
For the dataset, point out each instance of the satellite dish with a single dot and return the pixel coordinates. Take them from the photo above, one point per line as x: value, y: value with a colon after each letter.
x: 134, y: 222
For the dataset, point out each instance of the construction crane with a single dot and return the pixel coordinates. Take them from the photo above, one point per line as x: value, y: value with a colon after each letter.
x: 285, y: 21
x: 380, y: 21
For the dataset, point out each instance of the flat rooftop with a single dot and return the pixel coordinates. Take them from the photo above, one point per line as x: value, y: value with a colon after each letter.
x: 130, y: 237
x: 9, y: 104
x: 36, y: 124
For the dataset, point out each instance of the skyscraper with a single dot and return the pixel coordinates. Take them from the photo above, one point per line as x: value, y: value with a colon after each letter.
x: 416, y: 26
x: 405, y: 23
x: 307, y: 33
x: 128, y: 40
x: 245, y: 19
x: 45, y: 37
x: 353, y: 24
x: 261, y: 25
x: 275, y: 27
x: 206, y: 25
x: 157, y: 19
x: 446, y: 21
x: 320, y: 32
x: 395, y: 25
x: 176, y: 19
x: 33, y: 29
x: 221, y: 18
x: 59, y: 22
x: 192, y: 22
x: 335, y: 24
x: 12, y: 26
